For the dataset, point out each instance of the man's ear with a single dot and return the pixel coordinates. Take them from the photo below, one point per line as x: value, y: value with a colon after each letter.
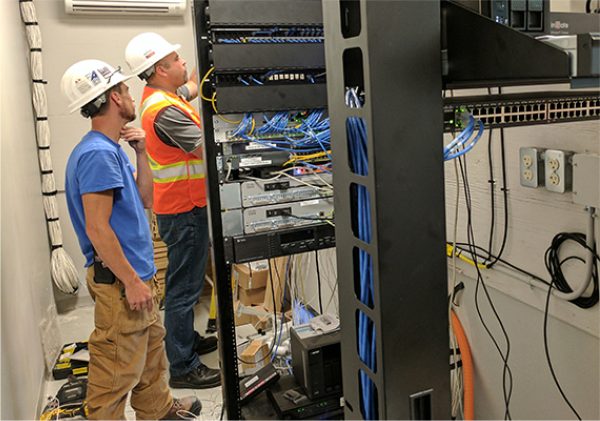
x: 115, y: 96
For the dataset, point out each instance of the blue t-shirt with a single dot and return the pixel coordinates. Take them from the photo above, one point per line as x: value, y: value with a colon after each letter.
x: 98, y: 164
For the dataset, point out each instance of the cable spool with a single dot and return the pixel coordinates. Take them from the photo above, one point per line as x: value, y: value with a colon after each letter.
x: 63, y: 270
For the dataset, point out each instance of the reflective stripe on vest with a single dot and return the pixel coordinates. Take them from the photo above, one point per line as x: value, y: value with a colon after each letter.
x: 178, y: 176
x: 177, y: 171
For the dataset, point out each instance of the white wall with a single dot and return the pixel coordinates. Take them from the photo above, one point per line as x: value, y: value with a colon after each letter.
x: 26, y: 284
x: 535, y: 216
x: 68, y: 39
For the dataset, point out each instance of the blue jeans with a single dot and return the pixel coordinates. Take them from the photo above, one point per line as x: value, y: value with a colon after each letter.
x: 186, y: 236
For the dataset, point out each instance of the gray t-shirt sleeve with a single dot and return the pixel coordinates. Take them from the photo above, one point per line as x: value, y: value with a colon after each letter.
x: 176, y: 129
x: 183, y: 92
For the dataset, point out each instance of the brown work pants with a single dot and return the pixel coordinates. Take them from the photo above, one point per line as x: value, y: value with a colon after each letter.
x: 127, y: 354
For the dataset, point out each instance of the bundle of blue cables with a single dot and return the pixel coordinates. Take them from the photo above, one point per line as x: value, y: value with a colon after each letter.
x: 312, y: 134
x: 357, y: 148
x: 464, y: 142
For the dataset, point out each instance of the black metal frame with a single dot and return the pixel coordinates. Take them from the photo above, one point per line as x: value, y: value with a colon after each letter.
x: 406, y: 187
x: 221, y: 268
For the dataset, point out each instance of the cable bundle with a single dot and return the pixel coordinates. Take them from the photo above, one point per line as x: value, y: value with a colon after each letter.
x: 463, y: 143
x: 63, y: 270
x: 357, y: 149
x: 306, y: 138
x: 554, y: 266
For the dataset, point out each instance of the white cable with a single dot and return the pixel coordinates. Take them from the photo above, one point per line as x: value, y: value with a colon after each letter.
x: 456, y: 377
x: 63, y: 270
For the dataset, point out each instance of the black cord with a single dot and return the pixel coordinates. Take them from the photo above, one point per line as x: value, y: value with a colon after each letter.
x: 222, y: 411
x: 319, y: 281
x: 546, y: 350
x: 507, y: 378
x: 305, y: 218
x: 504, y: 189
x: 492, y: 191
x: 554, y: 267
x: 461, y: 247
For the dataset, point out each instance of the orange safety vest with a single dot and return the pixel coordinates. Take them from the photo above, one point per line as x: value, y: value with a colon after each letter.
x: 179, y: 180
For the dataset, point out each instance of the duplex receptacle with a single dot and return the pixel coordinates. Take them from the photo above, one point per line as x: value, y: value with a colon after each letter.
x: 558, y: 170
x: 531, y: 168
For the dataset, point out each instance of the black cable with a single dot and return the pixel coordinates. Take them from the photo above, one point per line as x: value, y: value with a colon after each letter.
x: 305, y: 218
x: 506, y: 372
x: 547, y: 352
x: 492, y: 191
x: 222, y: 411
x: 319, y: 281
x: 504, y: 195
x: 504, y: 262
x: 554, y: 267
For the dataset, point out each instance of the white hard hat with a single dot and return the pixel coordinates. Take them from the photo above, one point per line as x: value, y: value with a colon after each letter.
x: 86, y: 81
x: 145, y: 50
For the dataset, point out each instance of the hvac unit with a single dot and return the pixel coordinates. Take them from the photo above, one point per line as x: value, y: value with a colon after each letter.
x: 126, y: 7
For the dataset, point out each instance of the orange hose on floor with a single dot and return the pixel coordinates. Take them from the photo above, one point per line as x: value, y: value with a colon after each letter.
x: 467, y: 367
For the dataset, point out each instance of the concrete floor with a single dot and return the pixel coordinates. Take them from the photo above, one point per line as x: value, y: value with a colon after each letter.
x: 76, y: 325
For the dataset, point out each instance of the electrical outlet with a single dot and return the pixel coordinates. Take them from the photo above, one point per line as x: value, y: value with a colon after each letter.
x: 531, y: 168
x: 558, y: 170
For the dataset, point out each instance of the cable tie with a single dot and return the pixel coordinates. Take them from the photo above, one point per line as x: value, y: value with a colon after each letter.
x: 36, y: 50
x: 30, y: 23
x: 44, y: 147
x: 50, y: 193
x: 52, y: 219
x: 42, y: 81
x: 504, y: 189
x: 25, y: 1
x: 44, y: 172
x: 42, y: 118
x: 56, y: 246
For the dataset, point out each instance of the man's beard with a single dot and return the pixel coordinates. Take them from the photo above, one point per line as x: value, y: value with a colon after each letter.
x: 127, y: 115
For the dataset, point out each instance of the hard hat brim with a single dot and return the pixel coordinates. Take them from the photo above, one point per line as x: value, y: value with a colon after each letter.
x: 117, y: 78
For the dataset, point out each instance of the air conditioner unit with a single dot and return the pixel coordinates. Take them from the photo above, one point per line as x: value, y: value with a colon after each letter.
x: 126, y: 7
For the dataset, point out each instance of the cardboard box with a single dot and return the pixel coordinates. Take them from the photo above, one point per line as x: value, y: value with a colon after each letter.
x: 252, y: 319
x: 254, y: 296
x: 251, y: 275
x: 256, y: 355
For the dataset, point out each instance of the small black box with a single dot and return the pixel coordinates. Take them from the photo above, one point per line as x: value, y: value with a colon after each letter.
x: 316, y: 361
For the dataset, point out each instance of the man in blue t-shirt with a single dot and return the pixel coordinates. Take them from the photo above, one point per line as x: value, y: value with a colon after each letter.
x: 106, y: 202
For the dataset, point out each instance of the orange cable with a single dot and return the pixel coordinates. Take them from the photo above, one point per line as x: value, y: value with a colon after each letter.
x: 467, y: 367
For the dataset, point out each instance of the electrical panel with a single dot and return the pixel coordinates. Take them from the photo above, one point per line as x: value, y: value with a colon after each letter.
x: 266, y: 86
x: 586, y: 180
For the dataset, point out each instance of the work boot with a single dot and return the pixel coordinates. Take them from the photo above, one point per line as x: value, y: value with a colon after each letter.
x: 201, y: 377
x: 204, y: 345
x: 184, y: 405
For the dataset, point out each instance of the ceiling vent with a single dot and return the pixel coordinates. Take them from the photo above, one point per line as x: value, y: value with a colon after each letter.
x: 126, y: 7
